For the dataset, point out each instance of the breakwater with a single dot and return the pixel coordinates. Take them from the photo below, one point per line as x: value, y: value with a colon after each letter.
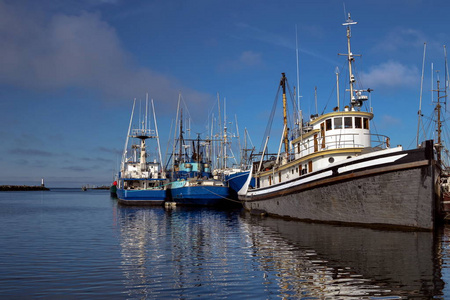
x: 23, y: 188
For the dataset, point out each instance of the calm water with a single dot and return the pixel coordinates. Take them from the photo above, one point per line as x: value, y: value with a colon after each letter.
x: 68, y: 244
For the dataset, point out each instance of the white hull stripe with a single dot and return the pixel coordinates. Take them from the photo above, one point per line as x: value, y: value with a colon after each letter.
x: 291, y: 184
x: 370, y: 163
x: 361, y: 165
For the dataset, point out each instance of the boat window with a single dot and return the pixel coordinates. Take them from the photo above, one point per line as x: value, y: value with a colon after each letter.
x: 358, y: 123
x: 348, y: 122
x: 366, y: 123
x: 316, y: 145
x: 328, y: 124
x: 337, y: 123
x: 322, y: 134
x: 279, y: 176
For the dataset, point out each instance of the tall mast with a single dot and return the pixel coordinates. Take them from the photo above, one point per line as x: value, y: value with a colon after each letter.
x: 128, y: 136
x: 419, y: 113
x: 157, y: 139
x: 356, y: 98
x: 350, y: 57
x: 285, y: 132
x: 439, y: 145
x: 337, y: 88
x: 180, y: 141
x: 439, y: 125
x: 298, y: 80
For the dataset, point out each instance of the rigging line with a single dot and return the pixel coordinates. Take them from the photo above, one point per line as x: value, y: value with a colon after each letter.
x: 270, y: 120
x: 221, y: 196
x: 329, y: 98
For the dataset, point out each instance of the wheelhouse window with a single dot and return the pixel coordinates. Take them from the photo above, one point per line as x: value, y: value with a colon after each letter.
x: 328, y: 124
x: 337, y: 123
x: 358, y: 122
x: 348, y: 122
x: 366, y: 123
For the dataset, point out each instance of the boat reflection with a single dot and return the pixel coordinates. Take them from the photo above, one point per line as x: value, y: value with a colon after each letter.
x: 176, y: 253
x: 326, y: 261
x: 200, y: 252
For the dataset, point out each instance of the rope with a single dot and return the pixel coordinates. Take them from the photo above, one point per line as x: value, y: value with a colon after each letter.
x: 221, y: 196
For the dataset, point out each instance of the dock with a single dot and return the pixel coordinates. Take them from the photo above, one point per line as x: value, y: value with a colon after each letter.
x: 5, y: 188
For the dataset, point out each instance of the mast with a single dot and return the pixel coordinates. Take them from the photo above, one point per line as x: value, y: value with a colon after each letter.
x: 175, y: 133
x: 356, y: 98
x: 122, y: 167
x: 350, y: 58
x: 419, y: 113
x: 439, y: 146
x: 298, y: 82
x: 225, y: 135
x: 337, y: 88
x: 285, y: 132
x: 181, y: 135
x: 157, y: 139
x: 439, y: 125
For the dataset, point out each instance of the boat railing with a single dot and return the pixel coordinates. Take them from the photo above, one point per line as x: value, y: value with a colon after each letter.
x: 139, y: 175
x: 341, y: 141
x: 143, y: 132
x: 335, y: 141
x: 381, y: 141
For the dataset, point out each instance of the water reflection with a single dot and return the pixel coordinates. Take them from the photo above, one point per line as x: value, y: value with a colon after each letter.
x: 201, y: 253
x: 324, y: 261
x: 177, y: 253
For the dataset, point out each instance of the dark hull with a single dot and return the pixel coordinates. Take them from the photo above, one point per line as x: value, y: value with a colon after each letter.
x: 404, y: 193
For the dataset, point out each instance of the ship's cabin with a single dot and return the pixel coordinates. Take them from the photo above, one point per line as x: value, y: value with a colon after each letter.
x: 196, y: 169
x: 139, y: 170
x: 325, y: 140
x: 336, y: 130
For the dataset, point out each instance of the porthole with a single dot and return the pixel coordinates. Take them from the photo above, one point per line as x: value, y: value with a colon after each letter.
x: 331, y: 160
x: 349, y: 157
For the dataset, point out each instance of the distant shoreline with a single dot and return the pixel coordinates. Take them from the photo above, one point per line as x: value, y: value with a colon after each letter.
x: 6, y: 188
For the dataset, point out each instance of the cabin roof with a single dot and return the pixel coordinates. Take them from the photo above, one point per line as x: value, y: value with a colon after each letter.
x: 342, y: 114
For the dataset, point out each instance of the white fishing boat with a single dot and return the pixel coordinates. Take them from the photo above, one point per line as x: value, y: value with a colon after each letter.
x: 330, y: 171
x: 141, y: 181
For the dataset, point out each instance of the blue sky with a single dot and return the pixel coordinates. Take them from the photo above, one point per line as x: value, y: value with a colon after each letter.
x: 71, y: 69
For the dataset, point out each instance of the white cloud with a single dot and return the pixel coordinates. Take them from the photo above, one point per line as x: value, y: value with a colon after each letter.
x: 391, y: 74
x: 250, y: 58
x: 76, y: 51
x: 244, y: 60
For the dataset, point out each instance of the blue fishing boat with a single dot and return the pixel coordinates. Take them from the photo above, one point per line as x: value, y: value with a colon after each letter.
x: 236, y: 180
x: 192, y: 180
x: 141, y: 182
x: 194, y: 185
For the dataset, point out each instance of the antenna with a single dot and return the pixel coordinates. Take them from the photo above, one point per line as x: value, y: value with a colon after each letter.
x: 421, y: 92
x: 315, y: 98
x: 298, y: 76
x: 337, y: 88
x: 345, y: 11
